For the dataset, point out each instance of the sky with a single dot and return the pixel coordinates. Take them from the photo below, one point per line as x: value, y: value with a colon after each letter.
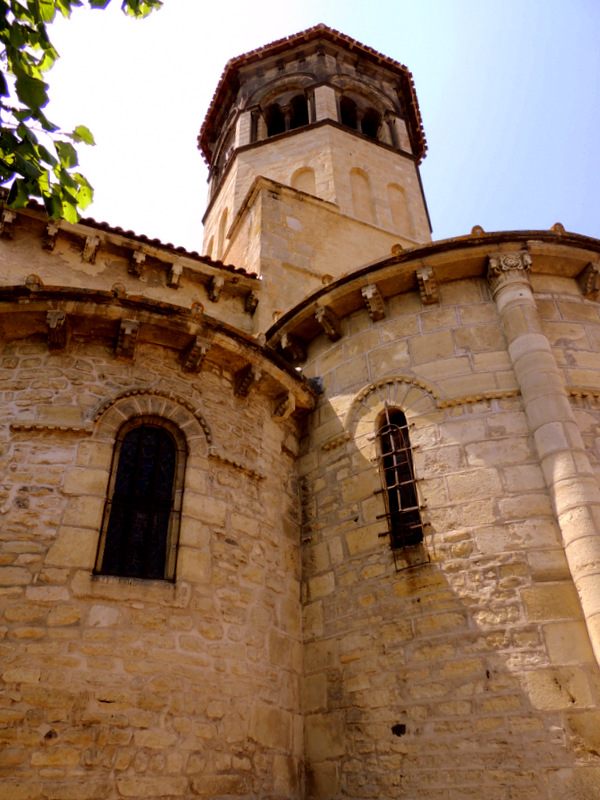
x: 509, y: 92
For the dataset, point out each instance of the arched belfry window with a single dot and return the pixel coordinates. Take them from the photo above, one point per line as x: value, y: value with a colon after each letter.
x: 298, y: 112
x: 140, y: 528
x: 398, y: 477
x: 348, y: 113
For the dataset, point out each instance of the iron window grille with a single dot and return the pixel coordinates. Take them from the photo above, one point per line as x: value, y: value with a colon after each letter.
x: 140, y: 527
x: 399, y: 484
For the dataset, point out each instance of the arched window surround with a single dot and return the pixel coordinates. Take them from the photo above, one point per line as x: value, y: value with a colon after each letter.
x: 164, y: 563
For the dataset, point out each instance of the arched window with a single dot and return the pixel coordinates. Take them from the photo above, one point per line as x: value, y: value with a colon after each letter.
x: 400, y: 210
x: 304, y: 180
x: 399, y: 489
x: 140, y: 528
x: 275, y: 120
x: 370, y: 123
x: 299, y: 111
x: 222, y: 234
x: 348, y: 113
x: 362, y: 199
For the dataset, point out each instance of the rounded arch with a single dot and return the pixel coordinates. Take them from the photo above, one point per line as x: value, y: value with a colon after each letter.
x: 362, y: 197
x: 285, y: 86
x: 363, y: 94
x: 400, y: 209
x: 222, y: 234
x: 303, y: 179
x: 415, y: 398
x: 136, y: 403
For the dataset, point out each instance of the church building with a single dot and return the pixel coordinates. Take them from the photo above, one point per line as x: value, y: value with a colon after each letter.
x: 314, y: 515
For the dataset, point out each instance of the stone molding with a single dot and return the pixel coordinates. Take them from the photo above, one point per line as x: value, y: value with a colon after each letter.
x: 506, y: 268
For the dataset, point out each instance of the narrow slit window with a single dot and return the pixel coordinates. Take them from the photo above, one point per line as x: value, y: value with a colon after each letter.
x: 399, y: 486
x: 141, y: 516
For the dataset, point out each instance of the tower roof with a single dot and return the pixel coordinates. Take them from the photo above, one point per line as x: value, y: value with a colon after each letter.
x: 318, y: 32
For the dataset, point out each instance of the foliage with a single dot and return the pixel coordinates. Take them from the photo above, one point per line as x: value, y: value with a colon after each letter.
x: 32, y: 168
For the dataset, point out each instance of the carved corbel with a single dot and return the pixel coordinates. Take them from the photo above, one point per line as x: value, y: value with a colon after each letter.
x: 174, y: 274
x: 126, y: 341
x: 427, y: 285
x: 589, y: 280
x: 373, y: 301
x: 244, y: 378
x: 194, y: 354
x: 136, y: 262
x: 330, y: 322
x: 57, y: 329
x: 285, y: 405
x: 50, y: 235
x: 214, y: 287
x: 251, y: 302
x: 508, y: 267
x: 90, y: 249
x: 292, y: 348
x: 7, y: 224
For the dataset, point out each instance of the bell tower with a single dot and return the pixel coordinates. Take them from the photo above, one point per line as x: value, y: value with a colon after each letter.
x: 313, y: 144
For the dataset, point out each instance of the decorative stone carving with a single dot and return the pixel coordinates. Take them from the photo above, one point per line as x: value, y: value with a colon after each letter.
x: 251, y: 302
x: 194, y: 354
x: 506, y: 267
x: 174, y: 275
x: 7, y: 224
x: 90, y: 249
x: 373, y: 301
x: 292, y: 348
x: 477, y: 230
x: 136, y: 262
x: 427, y: 285
x: 244, y: 378
x: 128, y: 333
x: 589, y: 280
x: 50, y: 235
x: 330, y: 322
x: 285, y: 405
x: 397, y: 249
x: 33, y: 282
x: 57, y: 329
x: 214, y: 287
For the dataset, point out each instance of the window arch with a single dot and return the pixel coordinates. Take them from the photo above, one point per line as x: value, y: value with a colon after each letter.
x: 349, y: 113
x: 371, y: 123
x: 140, y: 527
x: 275, y: 120
x: 222, y: 234
x: 298, y: 111
x: 304, y: 180
x: 399, y: 486
x: 362, y: 199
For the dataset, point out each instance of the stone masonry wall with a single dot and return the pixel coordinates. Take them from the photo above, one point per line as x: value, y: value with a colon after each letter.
x: 116, y: 688
x: 472, y: 674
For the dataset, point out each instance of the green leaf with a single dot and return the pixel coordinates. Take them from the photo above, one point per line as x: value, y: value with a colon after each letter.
x: 82, y: 134
x: 66, y: 154
x: 31, y: 91
x: 18, y: 195
x: 47, y: 10
x: 85, y: 193
x: 46, y: 155
x: 66, y: 180
x: 53, y: 206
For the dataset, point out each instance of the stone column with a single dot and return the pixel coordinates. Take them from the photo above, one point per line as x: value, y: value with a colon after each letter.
x: 572, y: 484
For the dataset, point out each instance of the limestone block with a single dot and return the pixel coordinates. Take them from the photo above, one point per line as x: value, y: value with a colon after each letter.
x: 474, y: 484
x: 15, y: 576
x: 156, y: 786
x: 80, y: 481
x: 204, y: 508
x: 548, y: 565
x: 86, y: 508
x: 432, y: 346
x: 315, y: 692
x: 365, y: 538
x: 324, y: 736
x: 270, y: 726
x: 321, y: 585
x: 552, y: 689
x: 322, y: 780
x: 193, y: 565
x: 550, y: 601
x: 568, y: 643
x: 74, y: 547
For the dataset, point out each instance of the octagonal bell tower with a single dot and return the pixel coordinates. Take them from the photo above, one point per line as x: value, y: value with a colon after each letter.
x: 313, y: 144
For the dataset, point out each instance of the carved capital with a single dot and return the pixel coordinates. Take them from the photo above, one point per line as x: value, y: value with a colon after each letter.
x: 194, y: 354
x: 427, y: 285
x: 292, y: 348
x: 244, y: 378
x: 128, y: 333
x: 506, y: 268
x: 373, y: 301
x: 57, y: 329
x: 330, y: 322
x: 589, y: 280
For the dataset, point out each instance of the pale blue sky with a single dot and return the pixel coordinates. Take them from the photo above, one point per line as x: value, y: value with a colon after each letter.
x: 508, y: 90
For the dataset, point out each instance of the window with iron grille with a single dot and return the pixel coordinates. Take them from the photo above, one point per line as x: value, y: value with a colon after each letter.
x: 399, y: 486
x: 143, y: 507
